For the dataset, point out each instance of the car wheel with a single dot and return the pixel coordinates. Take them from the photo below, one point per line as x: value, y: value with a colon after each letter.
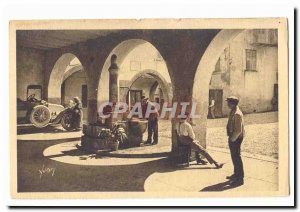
x: 67, y: 121
x: 40, y: 116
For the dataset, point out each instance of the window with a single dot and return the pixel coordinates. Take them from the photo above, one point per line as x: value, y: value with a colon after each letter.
x: 84, y: 95
x: 35, y: 90
x: 250, y: 60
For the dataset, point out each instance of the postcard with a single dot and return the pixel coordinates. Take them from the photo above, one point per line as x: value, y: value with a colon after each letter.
x: 149, y: 108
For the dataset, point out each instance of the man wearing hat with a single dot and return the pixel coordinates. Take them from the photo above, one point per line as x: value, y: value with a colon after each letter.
x: 235, y: 133
x: 187, y: 137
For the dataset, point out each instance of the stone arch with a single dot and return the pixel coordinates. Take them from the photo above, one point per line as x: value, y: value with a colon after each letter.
x: 121, y: 50
x: 153, y: 89
x: 71, y: 71
x: 61, y: 70
x: 203, y: 75
x: 167, y: 89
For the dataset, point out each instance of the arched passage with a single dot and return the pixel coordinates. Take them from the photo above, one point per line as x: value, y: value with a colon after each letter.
x: 72, y: 70
x: 203, y: 76
x: 65, y: 66
x: 140, y: 63
x: 157, y: 77
x: 122, y: 51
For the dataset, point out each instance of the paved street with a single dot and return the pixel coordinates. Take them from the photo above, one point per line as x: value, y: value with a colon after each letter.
x: 57, y: 165
x: 261, y: 133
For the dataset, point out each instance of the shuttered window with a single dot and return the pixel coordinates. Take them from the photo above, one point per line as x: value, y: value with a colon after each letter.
x: 250, y: 60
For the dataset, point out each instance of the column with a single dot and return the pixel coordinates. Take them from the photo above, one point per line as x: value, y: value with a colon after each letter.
x: 113, y: 80
x: 113, y: 85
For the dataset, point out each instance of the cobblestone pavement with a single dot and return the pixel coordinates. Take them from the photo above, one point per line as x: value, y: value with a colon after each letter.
x: 261, y: 133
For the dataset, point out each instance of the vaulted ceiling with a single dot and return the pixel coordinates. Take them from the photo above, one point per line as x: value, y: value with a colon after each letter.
x: 49, y: 39
x: 144, y: 81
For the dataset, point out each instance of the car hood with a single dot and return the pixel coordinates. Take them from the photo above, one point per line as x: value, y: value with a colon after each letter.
x: 55, y: 107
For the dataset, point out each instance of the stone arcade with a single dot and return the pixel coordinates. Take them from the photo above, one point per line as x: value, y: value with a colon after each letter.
x: 190, y: 57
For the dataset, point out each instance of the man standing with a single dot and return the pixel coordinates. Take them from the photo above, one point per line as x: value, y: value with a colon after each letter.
x: 152, y: 122
x: 235, y: 133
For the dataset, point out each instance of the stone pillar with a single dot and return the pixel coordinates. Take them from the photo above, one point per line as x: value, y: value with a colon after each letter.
x: 113, y: 80
x: 113, y: 85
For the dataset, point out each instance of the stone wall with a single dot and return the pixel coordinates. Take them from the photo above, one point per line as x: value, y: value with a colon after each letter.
x: 30, y: 70
x: 143, y: 57
x: 73, y: 87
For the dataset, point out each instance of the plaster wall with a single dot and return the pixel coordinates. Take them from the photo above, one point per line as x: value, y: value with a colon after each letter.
x: 30, y: 70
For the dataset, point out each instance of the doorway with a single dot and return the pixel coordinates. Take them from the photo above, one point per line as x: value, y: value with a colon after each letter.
x: 134, y: 96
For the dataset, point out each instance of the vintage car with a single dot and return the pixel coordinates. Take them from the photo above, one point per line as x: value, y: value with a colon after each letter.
x: 41, y: 113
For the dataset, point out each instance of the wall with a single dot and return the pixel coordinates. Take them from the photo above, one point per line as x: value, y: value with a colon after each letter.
x: 30, y: 71
x: 138, y: 59
x: 62, y: 65
x: 143, y: 57
x: 73, y: 87
x: 254, y: 88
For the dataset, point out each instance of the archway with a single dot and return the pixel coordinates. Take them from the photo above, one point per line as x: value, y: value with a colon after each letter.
x: 65, y: 67
x: 122, y: 51
x: 139, y: 62
x: 203, y: 75
x: 156, y: 80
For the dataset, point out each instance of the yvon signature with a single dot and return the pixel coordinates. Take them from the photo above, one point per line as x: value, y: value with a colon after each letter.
x: 46, y: 171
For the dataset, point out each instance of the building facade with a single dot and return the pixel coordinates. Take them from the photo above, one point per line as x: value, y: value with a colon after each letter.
x: 247, y: 68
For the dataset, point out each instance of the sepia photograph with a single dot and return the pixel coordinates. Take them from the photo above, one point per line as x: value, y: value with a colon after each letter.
x: 149, y: 108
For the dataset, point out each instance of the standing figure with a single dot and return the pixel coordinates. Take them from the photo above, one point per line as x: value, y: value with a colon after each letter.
x: 77, y: 113
x: 211, y: 108
x: 235, y: 133
x: 187, y: 137
x: 152, y: 121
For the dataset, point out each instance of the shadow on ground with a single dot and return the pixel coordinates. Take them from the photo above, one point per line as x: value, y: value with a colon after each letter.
x: 48, y: 129
x: 220, y: 187
x: 82, y: 153
x: 58, y: 177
